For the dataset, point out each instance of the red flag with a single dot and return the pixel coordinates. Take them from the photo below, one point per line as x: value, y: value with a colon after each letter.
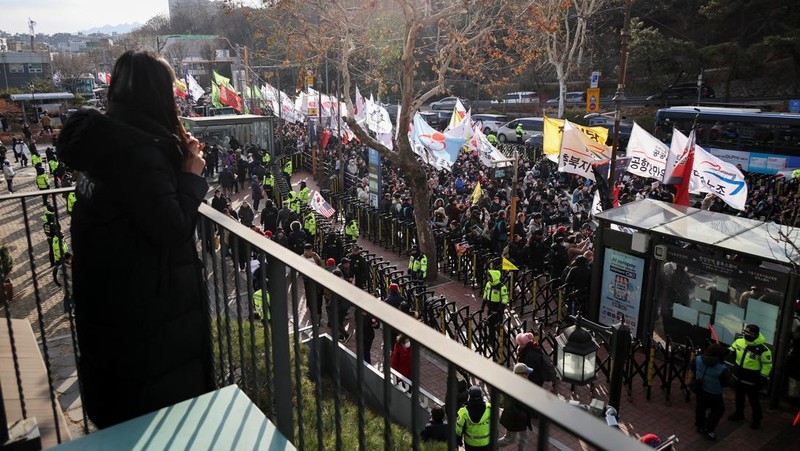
x: 228, y: 97
x: 682, y: 173
x: 685, y: 168
x: 326, y: 136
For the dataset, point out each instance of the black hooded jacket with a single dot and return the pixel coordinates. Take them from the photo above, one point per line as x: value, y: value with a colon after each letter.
x: 140, y: 304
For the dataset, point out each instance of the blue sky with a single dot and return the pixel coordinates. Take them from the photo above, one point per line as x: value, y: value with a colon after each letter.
x: 69, y: 16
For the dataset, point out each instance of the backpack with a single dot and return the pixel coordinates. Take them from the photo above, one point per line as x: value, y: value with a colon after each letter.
x: 548, y: 369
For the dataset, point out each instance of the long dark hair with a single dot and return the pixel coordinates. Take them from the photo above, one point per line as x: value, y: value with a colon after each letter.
x: 142, y: 81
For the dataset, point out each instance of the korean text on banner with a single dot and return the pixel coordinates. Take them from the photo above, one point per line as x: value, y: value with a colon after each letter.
x: 553, y: 130
x: 578, y: 152
x: 722, y: 179
x: 648, y: 154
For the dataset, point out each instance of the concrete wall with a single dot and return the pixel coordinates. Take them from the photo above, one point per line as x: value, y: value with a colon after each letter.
x: 372, y: 388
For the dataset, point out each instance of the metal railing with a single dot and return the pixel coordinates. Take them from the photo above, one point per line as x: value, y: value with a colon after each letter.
x: 273, y: 358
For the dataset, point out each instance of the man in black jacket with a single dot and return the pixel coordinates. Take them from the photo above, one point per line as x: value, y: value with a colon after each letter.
x: 269, y: 216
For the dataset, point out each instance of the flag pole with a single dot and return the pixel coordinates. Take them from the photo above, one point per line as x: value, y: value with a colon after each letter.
x: 619, y: 97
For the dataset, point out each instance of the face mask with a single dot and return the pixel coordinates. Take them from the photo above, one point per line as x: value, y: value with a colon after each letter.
x: 407, y: 344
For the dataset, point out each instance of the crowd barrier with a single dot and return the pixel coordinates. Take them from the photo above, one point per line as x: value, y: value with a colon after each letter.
x: 537, y: 301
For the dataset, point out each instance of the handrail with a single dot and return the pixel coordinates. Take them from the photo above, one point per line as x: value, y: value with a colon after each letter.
x: 538, y: 399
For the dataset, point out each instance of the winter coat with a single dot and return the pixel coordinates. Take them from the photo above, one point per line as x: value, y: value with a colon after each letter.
x: 516, y: 416
x: 144, y: 333
x: 713, y: 372
x: 533, y: 356
x: 401, y: 360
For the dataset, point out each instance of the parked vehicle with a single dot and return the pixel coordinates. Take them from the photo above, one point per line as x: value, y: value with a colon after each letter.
x: 683, y: 91
x: 573, y: 98
x: 437, y: 119
x: 489, y: 122
x: 448, y: 103
x: 531, y: 126
x: 520, y: 97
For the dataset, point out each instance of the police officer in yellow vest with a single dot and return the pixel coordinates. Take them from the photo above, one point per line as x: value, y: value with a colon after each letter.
x: 351, y: 231
x: 59, y: 247
x: 266, y: 159
x: 53, y: 164
x: 492, y: 138
x: 495, y: 297
x: 268, y: 183
x: 473, y: 426
x: 310, y: 224
x: 293, y: 202
x: 304, y: 193
x: 258, y: 305
x: 519, y: 132
x: 36, y: 159
x: 71, y: 198
x: 42, y: 182
x: 417, y: 264
x: 287, y: 171
x: 751, y: 369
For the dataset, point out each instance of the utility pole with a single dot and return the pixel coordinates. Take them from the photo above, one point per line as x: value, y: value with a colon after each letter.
x: 619, y: 97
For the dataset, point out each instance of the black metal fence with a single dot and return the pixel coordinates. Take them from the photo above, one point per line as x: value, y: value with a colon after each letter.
x: 276, y: 356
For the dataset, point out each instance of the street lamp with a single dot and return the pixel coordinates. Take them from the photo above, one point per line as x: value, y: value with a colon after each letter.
x: 577, y: 355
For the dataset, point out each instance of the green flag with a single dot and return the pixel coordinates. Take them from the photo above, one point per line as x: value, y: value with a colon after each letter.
x: 215, y: 96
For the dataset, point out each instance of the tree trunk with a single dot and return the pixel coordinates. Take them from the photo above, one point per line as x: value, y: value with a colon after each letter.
x: 562, y: 88
x: 420, y: 192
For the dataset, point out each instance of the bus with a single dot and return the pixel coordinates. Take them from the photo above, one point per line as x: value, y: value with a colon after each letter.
x: 246, y: 128
x: 765, y: 143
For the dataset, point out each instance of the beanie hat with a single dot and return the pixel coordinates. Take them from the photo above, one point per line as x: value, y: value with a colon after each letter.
x: 475, y: 393
x: 394, y: 287
x: 524, y: 338
x: 268, y: 233
x: 521, y: 368
x: 330, y: 262
x: 752, y: 329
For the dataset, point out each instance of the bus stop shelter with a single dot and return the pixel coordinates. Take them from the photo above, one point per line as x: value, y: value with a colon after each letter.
x: 696, y: 275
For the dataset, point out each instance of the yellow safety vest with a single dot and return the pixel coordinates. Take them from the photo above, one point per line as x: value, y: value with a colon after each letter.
x: 71, y: 198
x: 310, y: 223
x: 266, y: 158
x: 59, y: 248
x: 53, y: 165
x: 304, y: 194
x: 287, y: 168
x: 352, y: 230
x: 475, y: 434
x: 42, y: 181
x: 36, y: 159
x: 258, y: 305
x: 419, y: 264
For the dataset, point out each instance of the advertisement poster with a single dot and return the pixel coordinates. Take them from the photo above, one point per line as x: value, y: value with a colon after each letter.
x: 374, y: 167
x: 621, y: 292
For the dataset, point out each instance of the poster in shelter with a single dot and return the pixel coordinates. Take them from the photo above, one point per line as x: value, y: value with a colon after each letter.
x: 621, y: 291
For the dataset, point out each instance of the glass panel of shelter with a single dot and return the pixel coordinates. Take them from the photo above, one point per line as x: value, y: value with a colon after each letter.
x: 690, y: 299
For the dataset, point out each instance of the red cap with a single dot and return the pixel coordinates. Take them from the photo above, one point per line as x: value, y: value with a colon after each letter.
x: 330, y: 262
x: 394, y: 287
x: 268, y: 233
x: 561, y: 229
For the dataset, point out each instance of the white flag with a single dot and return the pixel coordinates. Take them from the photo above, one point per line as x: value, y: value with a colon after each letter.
x: 360, y: 108
x: 720, y: 178
x: 676, y: 150
x: 194, y: 87
x: 459, y: 113
x: 578, y: 152
x: 648, y: 154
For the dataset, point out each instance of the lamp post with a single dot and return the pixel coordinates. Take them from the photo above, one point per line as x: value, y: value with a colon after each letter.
x: 619, y: 96
x: 576, y: 354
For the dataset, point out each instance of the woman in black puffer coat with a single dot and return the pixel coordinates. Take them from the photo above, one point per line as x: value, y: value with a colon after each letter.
x: 141, y: 307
